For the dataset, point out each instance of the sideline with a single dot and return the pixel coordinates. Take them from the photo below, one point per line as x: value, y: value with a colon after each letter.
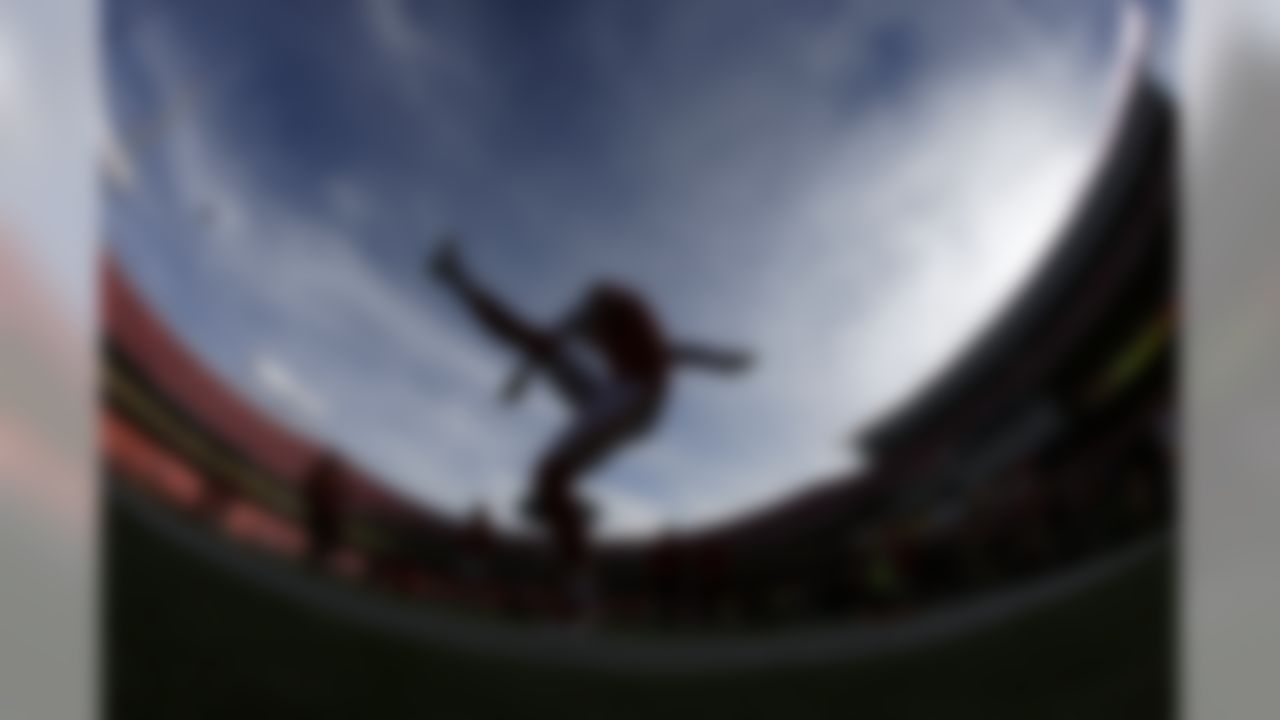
x: 603, y: 651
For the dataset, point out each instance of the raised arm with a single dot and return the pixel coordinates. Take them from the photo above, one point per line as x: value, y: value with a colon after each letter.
x: 563, y: 332
x: 707, y: 357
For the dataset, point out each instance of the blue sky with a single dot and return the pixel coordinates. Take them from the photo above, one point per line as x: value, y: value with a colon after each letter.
x: 848, y: 188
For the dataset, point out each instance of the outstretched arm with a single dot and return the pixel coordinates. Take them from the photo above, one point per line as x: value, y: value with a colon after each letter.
x: 518, y: 380
x: 707, y: 357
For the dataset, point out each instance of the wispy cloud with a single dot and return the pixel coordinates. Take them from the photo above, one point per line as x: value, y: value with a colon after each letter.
x: 298, y: 398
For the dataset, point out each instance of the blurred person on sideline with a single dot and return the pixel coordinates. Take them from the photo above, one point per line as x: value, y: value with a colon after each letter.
x: 322, y: 492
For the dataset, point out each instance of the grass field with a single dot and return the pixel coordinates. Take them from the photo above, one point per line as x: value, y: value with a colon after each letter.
x: 186, y: 639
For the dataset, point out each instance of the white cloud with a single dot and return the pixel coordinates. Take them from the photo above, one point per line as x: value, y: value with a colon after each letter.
x: 300, y: 400
x: 429, y: 62
x: 949, y: 207
x: 394, y: 28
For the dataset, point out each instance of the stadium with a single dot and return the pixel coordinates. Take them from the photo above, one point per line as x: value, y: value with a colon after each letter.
x: 1011, y: 530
